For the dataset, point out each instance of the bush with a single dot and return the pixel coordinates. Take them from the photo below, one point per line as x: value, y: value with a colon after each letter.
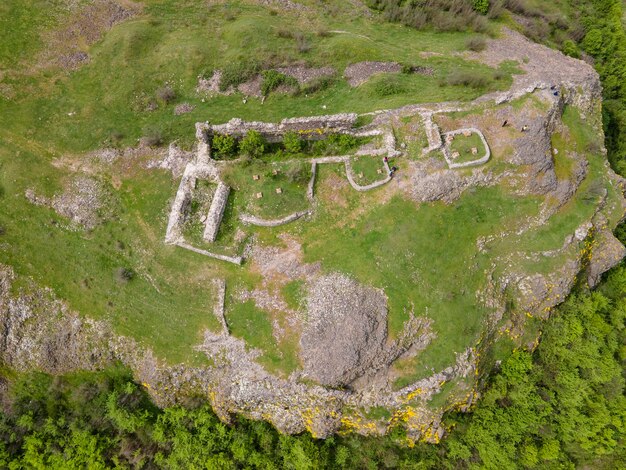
x: 237, y: 72
x: 115, y: 138
x: 125, y: 274
x: 496, y: 10
x: 303, y: 43
x: 387, y: 86
x: 342, y: 143
x: 253, y: 144
x: 273, y: 79
x: 476, y: 43
x: 296, y: 174
x: 442, y: 15
x: 481, y: 6
x: 284, y: 33
x: 153, y: 137
x: 224, y: 145
x: 569, y: 48
x: 467, y: 78
x: 318, y: 84
x: 166, y: 94
x: 292, y: 142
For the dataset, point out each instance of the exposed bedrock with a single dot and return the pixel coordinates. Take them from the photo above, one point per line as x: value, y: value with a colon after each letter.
x: 345, y: 330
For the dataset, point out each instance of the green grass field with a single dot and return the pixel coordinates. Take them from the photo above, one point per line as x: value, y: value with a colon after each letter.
x: 290, y: 179
x: 464, y: 145
x: 423, y: 255
x: 368, y: 169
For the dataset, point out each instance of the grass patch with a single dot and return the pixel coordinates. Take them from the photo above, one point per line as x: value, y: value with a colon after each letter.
x: 464, y: 145
x: 247, y: 321
x: 290, y: 178
x: 423, y: 257
x: 377, y: 412
x: 294, y: 294
x: 161, y: 306
x: 368, y: 169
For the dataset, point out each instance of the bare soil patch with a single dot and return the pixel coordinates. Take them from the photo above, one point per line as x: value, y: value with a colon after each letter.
x: 304, y: 74
x: 67, y: 45
x: 359, y: 73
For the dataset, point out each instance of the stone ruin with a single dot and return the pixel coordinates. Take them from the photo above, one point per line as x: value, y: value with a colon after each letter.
x: 202, y: 168
x: 311, y: 128
x: 315, y: 127
x: 216, y: 212
x: 452, y: 156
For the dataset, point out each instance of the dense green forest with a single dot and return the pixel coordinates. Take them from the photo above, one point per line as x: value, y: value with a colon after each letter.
x: 562, y: 405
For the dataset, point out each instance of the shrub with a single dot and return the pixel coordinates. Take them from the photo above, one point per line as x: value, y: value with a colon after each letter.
x: 296, y: 174
x: 476, y: 43
x: 166, y: 94
x: 442, y: 15
x: 481, y: 6
x: 115, y: 138
x: 467, y: 78
x: 153, y: 137
x: 253, y: 144
x: 318, y: 84
x: 496, y: 9
x: 284, y: 33
x: 569, y: 48
x: 125, y: 274
x: 303, y: 43
x: 292, y: 142
x: 341, y: 143
x: 387, y: 86
x: 273, y: 79
x: 224, y: 145
x: 237, y: 72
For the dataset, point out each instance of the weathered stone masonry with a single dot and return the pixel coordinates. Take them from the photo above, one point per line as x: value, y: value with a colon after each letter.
x: 216, y: 212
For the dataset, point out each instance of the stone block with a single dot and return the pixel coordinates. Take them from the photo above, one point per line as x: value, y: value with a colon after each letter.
x: 259, y: 195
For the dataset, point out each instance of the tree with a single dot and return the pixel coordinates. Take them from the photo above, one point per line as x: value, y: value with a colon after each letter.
x: 481, y: 6
x: 253, y: 144
x: 292, y: 142
x: 224, y: 145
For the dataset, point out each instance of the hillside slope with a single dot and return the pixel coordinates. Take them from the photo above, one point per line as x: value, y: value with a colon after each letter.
x: 388, y: 297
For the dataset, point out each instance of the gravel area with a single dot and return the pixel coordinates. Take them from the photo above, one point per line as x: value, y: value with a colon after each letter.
x: 306, y: 74
x: 345, y: 331
x: 359, y: 73
x: 82, y: 202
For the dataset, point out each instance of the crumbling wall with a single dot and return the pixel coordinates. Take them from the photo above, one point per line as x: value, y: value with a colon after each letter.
x: 216, y: 212
x: 183, y: 197
x: 315, y: 127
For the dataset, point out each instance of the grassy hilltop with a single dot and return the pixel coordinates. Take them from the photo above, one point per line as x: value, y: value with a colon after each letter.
x: 77, y: 79
x: 51, y: 114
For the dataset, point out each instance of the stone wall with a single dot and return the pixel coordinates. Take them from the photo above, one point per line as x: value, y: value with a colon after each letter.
x: 315, y: 127
x: 479, y: 160
x: 181, y: 201
x: 216, y: 212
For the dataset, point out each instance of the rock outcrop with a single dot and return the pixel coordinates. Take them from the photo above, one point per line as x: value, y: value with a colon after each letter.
x: 345, y: 330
